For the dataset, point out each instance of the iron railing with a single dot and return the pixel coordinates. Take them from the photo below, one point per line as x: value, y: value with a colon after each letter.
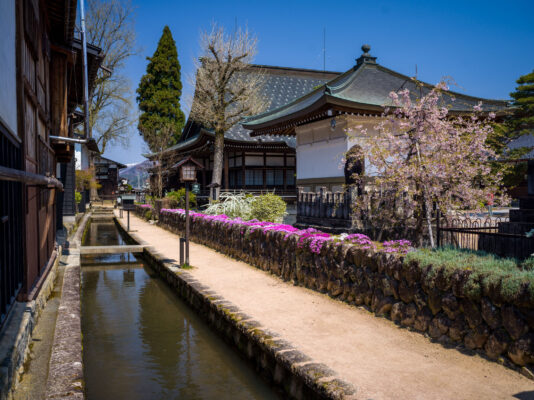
x: 494, y: 235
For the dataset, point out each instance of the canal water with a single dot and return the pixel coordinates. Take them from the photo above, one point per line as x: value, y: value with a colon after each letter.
x: 140, y: 341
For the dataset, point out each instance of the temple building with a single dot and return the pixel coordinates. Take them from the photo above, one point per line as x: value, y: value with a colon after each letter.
x: 318, y: 121
x: 251, y: 163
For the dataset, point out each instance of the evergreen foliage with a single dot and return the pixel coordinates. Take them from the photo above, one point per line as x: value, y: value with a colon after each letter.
x: 268, y: 207
x: 522, y: 121
x: 159, y: 92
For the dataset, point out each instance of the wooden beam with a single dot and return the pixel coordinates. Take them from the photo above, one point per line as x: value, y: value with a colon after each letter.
x: 29, y: 178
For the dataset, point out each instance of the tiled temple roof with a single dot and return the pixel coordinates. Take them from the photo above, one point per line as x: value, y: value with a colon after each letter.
x: 366, y: 86
x: 282, y: 85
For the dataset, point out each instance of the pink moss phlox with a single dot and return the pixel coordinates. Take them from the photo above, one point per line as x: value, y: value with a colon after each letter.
x: 311, y: 238
x: 145, y: 205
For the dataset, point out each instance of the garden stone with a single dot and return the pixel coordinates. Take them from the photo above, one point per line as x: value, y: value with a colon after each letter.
x: 408, y: 314
x: 472, y: 313
x: 389, y: 287
x: 396, y: 311
x: 422, y: 320
x: 420, y: 299
x: 450, y: 305
x: 433, y: 329
x: 513, y: 323
x: 497, y: 343
x: 457, y: 328
x: 528, y: 314
x: 335, y: 288
x: 490, y: 313
x: 521, y: 352
x: 476, y: 337
x: 434, y: 301
x: 406, y: 292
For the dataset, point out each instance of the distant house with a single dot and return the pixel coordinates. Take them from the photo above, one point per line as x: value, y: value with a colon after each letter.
x: 251, y: 163
x: 107, y: 176
x: 318, y: 120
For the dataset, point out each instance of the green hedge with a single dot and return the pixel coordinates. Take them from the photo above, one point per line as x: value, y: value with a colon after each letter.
x: 484, y: 274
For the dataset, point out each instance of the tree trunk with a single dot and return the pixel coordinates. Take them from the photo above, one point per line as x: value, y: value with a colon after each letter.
x: 428, y: 216
x: 218, y: 161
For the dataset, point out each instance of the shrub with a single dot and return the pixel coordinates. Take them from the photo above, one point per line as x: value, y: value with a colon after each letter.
x: 268, y: 207
x: 178, y: 196
x: 484, y: 272
x: 148, y: 215
x: 233, y: 205
x: 77, y: 197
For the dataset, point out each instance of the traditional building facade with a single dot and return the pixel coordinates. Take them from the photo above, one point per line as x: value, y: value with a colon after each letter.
x: 320, y: 119
x: 40, y: 88
x: 107, y: 176
x: 251, y: 163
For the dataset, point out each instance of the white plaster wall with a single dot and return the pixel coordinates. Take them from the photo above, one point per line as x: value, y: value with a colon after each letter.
x: 8, y: 81
x: 322, y: 159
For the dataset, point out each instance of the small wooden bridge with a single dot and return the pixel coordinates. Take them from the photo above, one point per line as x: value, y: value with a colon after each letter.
x: 117, y: 249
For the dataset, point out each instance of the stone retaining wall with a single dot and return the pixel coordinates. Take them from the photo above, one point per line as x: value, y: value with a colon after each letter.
x: 412, y: 296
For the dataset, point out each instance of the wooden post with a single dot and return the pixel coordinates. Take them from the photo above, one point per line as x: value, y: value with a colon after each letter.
x: 187, y: 223
x: 226, y: 174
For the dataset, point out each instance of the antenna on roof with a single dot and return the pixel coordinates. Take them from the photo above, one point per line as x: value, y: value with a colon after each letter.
x: 415, y: 72
x: 324, y: 49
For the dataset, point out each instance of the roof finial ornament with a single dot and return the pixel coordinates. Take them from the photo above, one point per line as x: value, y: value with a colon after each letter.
x: 366, y: 57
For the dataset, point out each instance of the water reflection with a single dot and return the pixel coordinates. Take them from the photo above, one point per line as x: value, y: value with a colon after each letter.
x: 141, y: 342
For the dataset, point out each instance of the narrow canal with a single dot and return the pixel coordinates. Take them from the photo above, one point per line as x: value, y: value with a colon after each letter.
x: 140, y: 341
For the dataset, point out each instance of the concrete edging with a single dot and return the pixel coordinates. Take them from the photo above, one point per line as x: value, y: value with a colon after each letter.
x: 65, y: 372
x: 17, y: 332
x: 277, y: 361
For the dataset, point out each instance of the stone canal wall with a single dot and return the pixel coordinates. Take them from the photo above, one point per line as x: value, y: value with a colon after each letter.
x: 452, y: 309
x: 283, y: 367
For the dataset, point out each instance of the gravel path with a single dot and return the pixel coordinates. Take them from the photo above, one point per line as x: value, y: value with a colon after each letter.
x: 380, y: 359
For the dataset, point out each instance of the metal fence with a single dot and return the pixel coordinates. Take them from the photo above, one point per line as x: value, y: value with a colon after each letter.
x: 11, y: 227
x: 493, y: 235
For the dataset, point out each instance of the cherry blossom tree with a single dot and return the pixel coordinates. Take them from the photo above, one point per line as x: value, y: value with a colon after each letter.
x: 424, y: 156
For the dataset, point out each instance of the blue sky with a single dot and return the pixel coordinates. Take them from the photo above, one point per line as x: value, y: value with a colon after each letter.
x: 483, y: 45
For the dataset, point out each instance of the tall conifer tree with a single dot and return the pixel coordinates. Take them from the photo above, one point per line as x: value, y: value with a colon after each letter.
x: 159, y: 93
x: 522, y: 121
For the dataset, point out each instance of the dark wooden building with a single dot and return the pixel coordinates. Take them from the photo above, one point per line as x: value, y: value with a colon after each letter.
x: 251, y: 163
x: 107, y: 176
x: 40, y: 88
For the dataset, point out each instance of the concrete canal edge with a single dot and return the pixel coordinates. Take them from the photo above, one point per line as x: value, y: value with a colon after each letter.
x: 17, y: 331
x: 276, y: 360
x: 65, y: 372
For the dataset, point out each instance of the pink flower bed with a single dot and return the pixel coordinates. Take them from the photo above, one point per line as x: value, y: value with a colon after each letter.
x: 312, y: 238
x: 145, y: 205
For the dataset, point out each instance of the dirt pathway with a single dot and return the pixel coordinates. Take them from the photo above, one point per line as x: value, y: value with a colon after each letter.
x: 380, y: 359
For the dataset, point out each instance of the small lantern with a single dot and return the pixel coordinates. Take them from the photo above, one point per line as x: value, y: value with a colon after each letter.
x: 188, y: 172
x: 188, y: 169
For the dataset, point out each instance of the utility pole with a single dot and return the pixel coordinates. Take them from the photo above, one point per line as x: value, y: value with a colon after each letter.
x: 87, y: 132
x: 324, y: 49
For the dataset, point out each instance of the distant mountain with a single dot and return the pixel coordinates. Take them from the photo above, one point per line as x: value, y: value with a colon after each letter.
x: 136, y: 174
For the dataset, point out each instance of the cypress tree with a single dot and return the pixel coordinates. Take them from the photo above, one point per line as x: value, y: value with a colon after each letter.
x: 159, y: 92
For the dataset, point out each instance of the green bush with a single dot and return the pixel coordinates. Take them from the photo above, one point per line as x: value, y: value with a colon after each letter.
x: 268, y: 207
x: 482, y: 273
x: 77, y: 197
x: 178, y: 196
x: 148, y: 215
